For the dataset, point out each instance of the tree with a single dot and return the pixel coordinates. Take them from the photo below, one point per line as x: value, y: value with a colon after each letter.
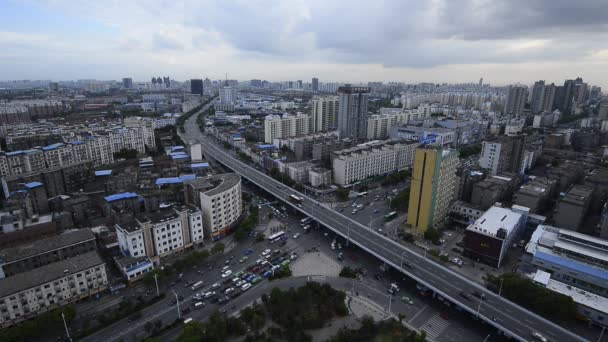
x: 260, y: 237
x: 342, y: 194
x: 401, y: 201
x: 348, y: 272
x: 126, y: 153
x: 218, y: 248
x: 432, y: 234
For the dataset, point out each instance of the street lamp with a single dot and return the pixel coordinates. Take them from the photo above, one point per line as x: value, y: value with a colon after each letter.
x: 179, y: 313
x: 67, y: 332
x: 500, y: 288
x: 156, y: 281
x: 402, y: 255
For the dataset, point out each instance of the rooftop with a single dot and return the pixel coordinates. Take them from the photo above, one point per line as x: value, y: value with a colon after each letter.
x: 215, y: 184
x: 494, y: 219
x: 120, y: 196
x: 103, y: 173
x: 45, y: 245
x: 578, y: 194
x: 41, y: 275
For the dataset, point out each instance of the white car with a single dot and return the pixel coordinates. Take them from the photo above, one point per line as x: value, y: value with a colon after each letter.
x: 266, y: 252
x: 245, y: 287
x: 227, y: 273
x: 209, y: 294
x: 296, y: 235
x: 215, y: 286
x: 228, y: 290
x: 240, y: 283
x: 236, y: 280
x: 259, y: 261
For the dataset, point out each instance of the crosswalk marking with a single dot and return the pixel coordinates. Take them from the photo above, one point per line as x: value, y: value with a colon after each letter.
x: 435, y: 326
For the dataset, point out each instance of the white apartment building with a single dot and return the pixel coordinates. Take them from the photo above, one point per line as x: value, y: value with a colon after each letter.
x: 227, y: 95
x: 276, y: 126
x: 371, y: 159
x: 490, y: 156
x: 147, y: 127
x: 379, y: 125
x: 100, y: 150
x: 31, y: 293
x: 219, y: 197
x: 324, y: 113
x: 160, y: 234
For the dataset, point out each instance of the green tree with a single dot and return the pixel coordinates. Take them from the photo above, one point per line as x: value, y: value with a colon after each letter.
x: 218, y: 248
x: 401, y: 201
x: 126, y: 153
x: 347, y: 272
x: 342, y: 194
x: 432, y: 234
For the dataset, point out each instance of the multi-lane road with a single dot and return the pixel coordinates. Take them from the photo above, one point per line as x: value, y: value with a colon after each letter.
x: 510, y: 318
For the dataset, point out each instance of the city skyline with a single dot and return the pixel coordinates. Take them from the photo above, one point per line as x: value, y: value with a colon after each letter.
x: 438, y: 41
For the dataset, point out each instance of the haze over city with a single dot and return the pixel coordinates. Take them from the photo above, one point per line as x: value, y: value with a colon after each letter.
x: 408, y: 41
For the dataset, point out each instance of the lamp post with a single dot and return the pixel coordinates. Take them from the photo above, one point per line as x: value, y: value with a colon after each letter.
x: 500, y: 288
x: 179, y: 313
x: 65, y: 325
x: 156, y: 281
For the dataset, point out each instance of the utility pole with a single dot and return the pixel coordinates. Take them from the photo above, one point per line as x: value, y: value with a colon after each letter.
x: 479, y: 306
x: 156, y: 281
x: 179, y: 313
x: 67, y: 332
x: 599, y: 339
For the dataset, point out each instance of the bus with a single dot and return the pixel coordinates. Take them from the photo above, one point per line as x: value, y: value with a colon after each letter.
x: 196, y: 285
x: 390, y: 216
x: 188, y: 320
x: 305, y: 221
x: 276, y: 237
x: 295, y: 199
x: 362, y: 194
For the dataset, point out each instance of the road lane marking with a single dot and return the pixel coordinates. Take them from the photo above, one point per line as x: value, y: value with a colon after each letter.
x: 417, y: 313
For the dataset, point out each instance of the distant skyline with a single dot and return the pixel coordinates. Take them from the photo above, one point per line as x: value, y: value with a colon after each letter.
x: 347, y: 41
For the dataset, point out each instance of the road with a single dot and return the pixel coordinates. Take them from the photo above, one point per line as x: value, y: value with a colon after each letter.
x: 512, y: 319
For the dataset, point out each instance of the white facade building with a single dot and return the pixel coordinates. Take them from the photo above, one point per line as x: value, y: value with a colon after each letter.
x: 379, y: 125
x: 324, y: 113
x: 285, y: 126
x: 371, y: 159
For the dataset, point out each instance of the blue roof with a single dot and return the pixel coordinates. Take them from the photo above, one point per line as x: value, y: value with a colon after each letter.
x: 174, y: 180
x: 177, y: 153
x: 177, y: 148
x: 266, y: 146
x: 103, y: 173
x: 14, y: 153
x: 52, y: 147
x: 180, y: 156
x: 199, y: 165
x: 123, y: 195
x: 77, y: 142
x: 575, y: 265
x: 32, y: 185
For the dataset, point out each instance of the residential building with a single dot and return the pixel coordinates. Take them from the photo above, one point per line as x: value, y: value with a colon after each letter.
x: 433, y: 187
x: 572, y: 207
x: 285, y: 126
x: 157, y: 235
x: 127, y: 83
x: 319, y: 177
x: 516, y: 99
x: 27, y: 257
x: 227, y: 95
x: 34, y: 292
x: 488, y: 239
x: 493, y: 189
x: 503, y: 154
x: 315, y: 84
x: 220, y: 199
x: 372, y: 159
x: 379, y: 126
x: 324, y: 113
x: 425, y: 135
x: 536, y: 194
x: 352, y: 112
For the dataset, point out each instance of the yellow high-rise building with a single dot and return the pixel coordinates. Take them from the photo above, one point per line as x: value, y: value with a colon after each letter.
x: 433, y: 186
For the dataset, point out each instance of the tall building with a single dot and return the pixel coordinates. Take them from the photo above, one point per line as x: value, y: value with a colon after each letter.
x: 549, y: 97
x: 127, y: 83
x: 502, y: 155
x: 196, y: 86
x: 227, y: 95
x: 516, y: 100
x: 567, y: 96
x: 315, y: 84
x: 538, y: 93
x: 481, y: 82
x: 433, y: 186
x: 324, y: 113
x: 352, y: 112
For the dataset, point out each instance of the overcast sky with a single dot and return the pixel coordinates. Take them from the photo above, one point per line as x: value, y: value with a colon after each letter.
x: 411, y: 41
